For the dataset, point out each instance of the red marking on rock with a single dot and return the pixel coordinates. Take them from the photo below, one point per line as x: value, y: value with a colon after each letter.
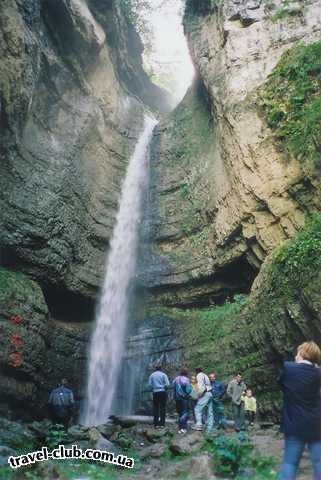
x: 16, y: 319
x: 15, y: 359
x: 16, y: 341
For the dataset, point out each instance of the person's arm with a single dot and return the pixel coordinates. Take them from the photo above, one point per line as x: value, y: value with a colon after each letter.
x: 167, y: 384
x: 281, y: 377
x: 229, y: 389
x: 71, y: 398
x: 255, y: 404
x: 221, y: 390
x: 150, y: 383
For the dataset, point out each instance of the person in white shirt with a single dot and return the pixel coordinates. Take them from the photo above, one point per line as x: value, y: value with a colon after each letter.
x: 204, y: 401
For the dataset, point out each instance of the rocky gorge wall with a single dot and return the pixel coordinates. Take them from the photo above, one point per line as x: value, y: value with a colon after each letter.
x: 73, y: 94
x: 228, y: 191
x: 215, y: 286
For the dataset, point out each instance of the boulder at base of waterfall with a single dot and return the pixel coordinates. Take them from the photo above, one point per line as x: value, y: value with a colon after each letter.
x: 153, y: 451
x: 15, y: 434
x: 106, y: 446
x: 108, y: 429
x: 78, y: 432
x: 155, y: 436
x: 94, y: 435
x: 40, y: 429
x: 5, y: 453
x: 124, y: 422
x: 202, y: 467
x: 99, y: 442
x: 122, y: 439
x: 186, y: 444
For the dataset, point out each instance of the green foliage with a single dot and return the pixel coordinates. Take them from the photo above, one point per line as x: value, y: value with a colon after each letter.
x: 56, y: 436
x: 232, y: 456
x: 295, y: 260
x: 124, y: 440
x: 135, y: 12
x: 207, y: 332
x: 291, y: 100
x: 287, y: 10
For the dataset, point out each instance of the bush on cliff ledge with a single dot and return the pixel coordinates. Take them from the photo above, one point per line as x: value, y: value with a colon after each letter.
x: 295, y: 260
x: 292, y: 102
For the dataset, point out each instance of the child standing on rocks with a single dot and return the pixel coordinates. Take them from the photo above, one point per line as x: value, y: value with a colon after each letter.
x: 250, y: 406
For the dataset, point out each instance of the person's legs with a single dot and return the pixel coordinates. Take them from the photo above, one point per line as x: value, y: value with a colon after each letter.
x: 200, y: 406
x: 238, y: 412
x: 236, y: 415
x: 293, y: 450
x: 162, y: 408
x: 215, y: 412
x: 179, y: 410
x: 183, y: 414
x: 252, y: 417
x: 193, y: 405
x: 315, y: 456
x: 210, y: 416
x: 241, y: 416
x: 218, y: 412
x: 156, y: 408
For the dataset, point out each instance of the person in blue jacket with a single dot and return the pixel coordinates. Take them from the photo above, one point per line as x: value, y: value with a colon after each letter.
x: 182, y: 391
x: 301, y: 417
x: 158, y: 383
x: 218, y: 392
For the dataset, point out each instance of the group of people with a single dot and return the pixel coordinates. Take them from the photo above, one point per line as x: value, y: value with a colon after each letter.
x: 203, y: 395
x: 300, y: 382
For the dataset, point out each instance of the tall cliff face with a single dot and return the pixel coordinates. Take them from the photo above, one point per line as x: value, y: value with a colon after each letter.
x: 72, y: 99
x: 227, y: 191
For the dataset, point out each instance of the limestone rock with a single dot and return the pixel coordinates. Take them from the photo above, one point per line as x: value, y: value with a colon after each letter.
x: 78, y: 432
x: 186, y: 444
x: 155, y: 436
x: 152, y: 451
x: 202, y: 467
x: 5, y: 453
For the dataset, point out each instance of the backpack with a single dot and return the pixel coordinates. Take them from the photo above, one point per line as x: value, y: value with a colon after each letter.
x: 61, y: 397
x: 182, y: 391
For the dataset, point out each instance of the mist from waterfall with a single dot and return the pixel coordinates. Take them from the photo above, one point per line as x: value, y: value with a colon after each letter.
x: 107, y: 343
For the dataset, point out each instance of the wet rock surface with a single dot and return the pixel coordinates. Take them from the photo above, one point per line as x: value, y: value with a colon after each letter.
x: 68, y: 98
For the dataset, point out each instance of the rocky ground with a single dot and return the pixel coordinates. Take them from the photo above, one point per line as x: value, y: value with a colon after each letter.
x: 162, y: 454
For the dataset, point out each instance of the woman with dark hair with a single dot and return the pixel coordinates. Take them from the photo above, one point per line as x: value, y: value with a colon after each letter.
x: 182, y: 390
x: 301, y: 417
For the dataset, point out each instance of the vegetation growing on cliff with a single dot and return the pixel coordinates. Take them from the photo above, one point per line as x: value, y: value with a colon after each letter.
x: 191, y: 138
x: 294, y: 261
x: 292, y: 102
x: 289, y: 8
x: 255, y: 334
x: 134, y: 11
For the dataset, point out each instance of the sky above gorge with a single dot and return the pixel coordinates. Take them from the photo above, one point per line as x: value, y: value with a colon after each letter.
x: 168, y: 58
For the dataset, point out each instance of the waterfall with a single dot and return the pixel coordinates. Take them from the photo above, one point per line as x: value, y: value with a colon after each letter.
x: 107, y: 343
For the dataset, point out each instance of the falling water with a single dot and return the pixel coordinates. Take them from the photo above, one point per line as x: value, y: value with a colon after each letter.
x: 107, y: 342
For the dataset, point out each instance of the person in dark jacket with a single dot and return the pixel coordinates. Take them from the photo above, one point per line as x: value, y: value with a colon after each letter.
x: 182, y: 391
x: 301, y: 417
x: 218, y: 392
x: 61, y: 403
